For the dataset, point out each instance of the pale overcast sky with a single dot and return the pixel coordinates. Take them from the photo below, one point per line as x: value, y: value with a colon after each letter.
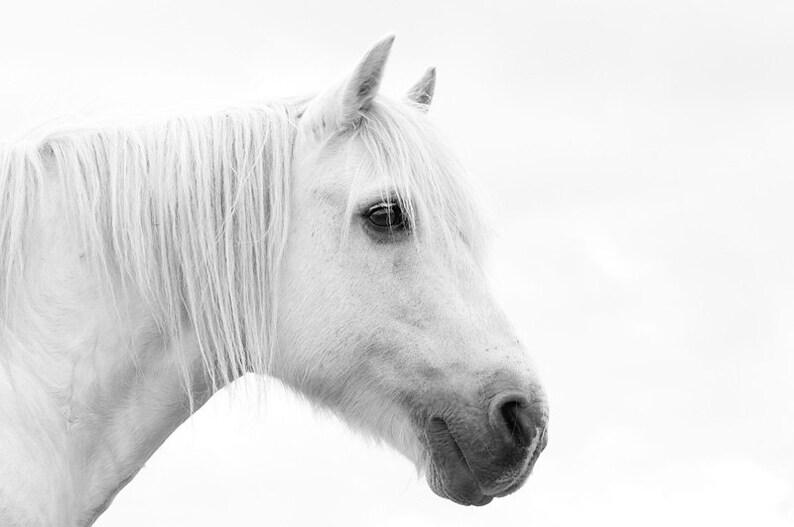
x: 639, y: 157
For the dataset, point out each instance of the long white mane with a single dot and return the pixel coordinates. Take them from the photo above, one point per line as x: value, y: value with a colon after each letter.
x: 192, y: 211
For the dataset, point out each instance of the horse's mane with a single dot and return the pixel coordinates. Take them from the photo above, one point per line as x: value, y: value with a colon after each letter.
x: 192, y: 211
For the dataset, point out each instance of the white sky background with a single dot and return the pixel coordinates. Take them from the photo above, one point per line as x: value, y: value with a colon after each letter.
x: 640, y: 159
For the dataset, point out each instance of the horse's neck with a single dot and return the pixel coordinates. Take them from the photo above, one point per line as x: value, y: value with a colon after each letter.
x: 88, y: 388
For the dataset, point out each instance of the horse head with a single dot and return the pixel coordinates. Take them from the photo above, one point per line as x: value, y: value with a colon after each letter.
x: 385, y: 315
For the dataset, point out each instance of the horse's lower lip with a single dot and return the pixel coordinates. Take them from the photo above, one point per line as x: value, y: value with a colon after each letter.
x: 451, y: 477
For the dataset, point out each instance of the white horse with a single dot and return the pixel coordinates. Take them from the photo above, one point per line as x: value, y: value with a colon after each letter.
x: 328, y: 242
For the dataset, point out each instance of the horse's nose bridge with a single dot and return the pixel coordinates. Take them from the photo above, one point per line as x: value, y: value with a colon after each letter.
x: 501, y: 379
x: 463, y: 296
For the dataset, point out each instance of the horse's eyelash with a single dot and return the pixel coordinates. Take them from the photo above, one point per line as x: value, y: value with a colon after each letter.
x: 381, y: 202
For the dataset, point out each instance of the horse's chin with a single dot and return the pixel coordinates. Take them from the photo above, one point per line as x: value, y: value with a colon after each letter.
x: 463, y: 490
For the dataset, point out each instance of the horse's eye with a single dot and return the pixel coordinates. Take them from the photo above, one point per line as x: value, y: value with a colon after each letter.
x: 387, y: 218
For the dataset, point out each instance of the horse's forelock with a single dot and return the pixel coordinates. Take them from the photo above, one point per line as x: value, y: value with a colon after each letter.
x: 404, y: 147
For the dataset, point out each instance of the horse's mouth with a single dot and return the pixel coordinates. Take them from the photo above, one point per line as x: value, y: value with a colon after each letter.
x: 450, y: 473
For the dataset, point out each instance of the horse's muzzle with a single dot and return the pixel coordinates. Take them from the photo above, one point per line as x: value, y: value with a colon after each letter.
x: 476, y: 456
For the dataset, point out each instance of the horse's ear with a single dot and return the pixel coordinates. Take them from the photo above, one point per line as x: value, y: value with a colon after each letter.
x: 362, y: 86
x: 422, y: 92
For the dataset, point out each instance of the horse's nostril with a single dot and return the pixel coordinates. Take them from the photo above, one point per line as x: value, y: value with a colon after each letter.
x: 511, y: 414
x: 516, y: 418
